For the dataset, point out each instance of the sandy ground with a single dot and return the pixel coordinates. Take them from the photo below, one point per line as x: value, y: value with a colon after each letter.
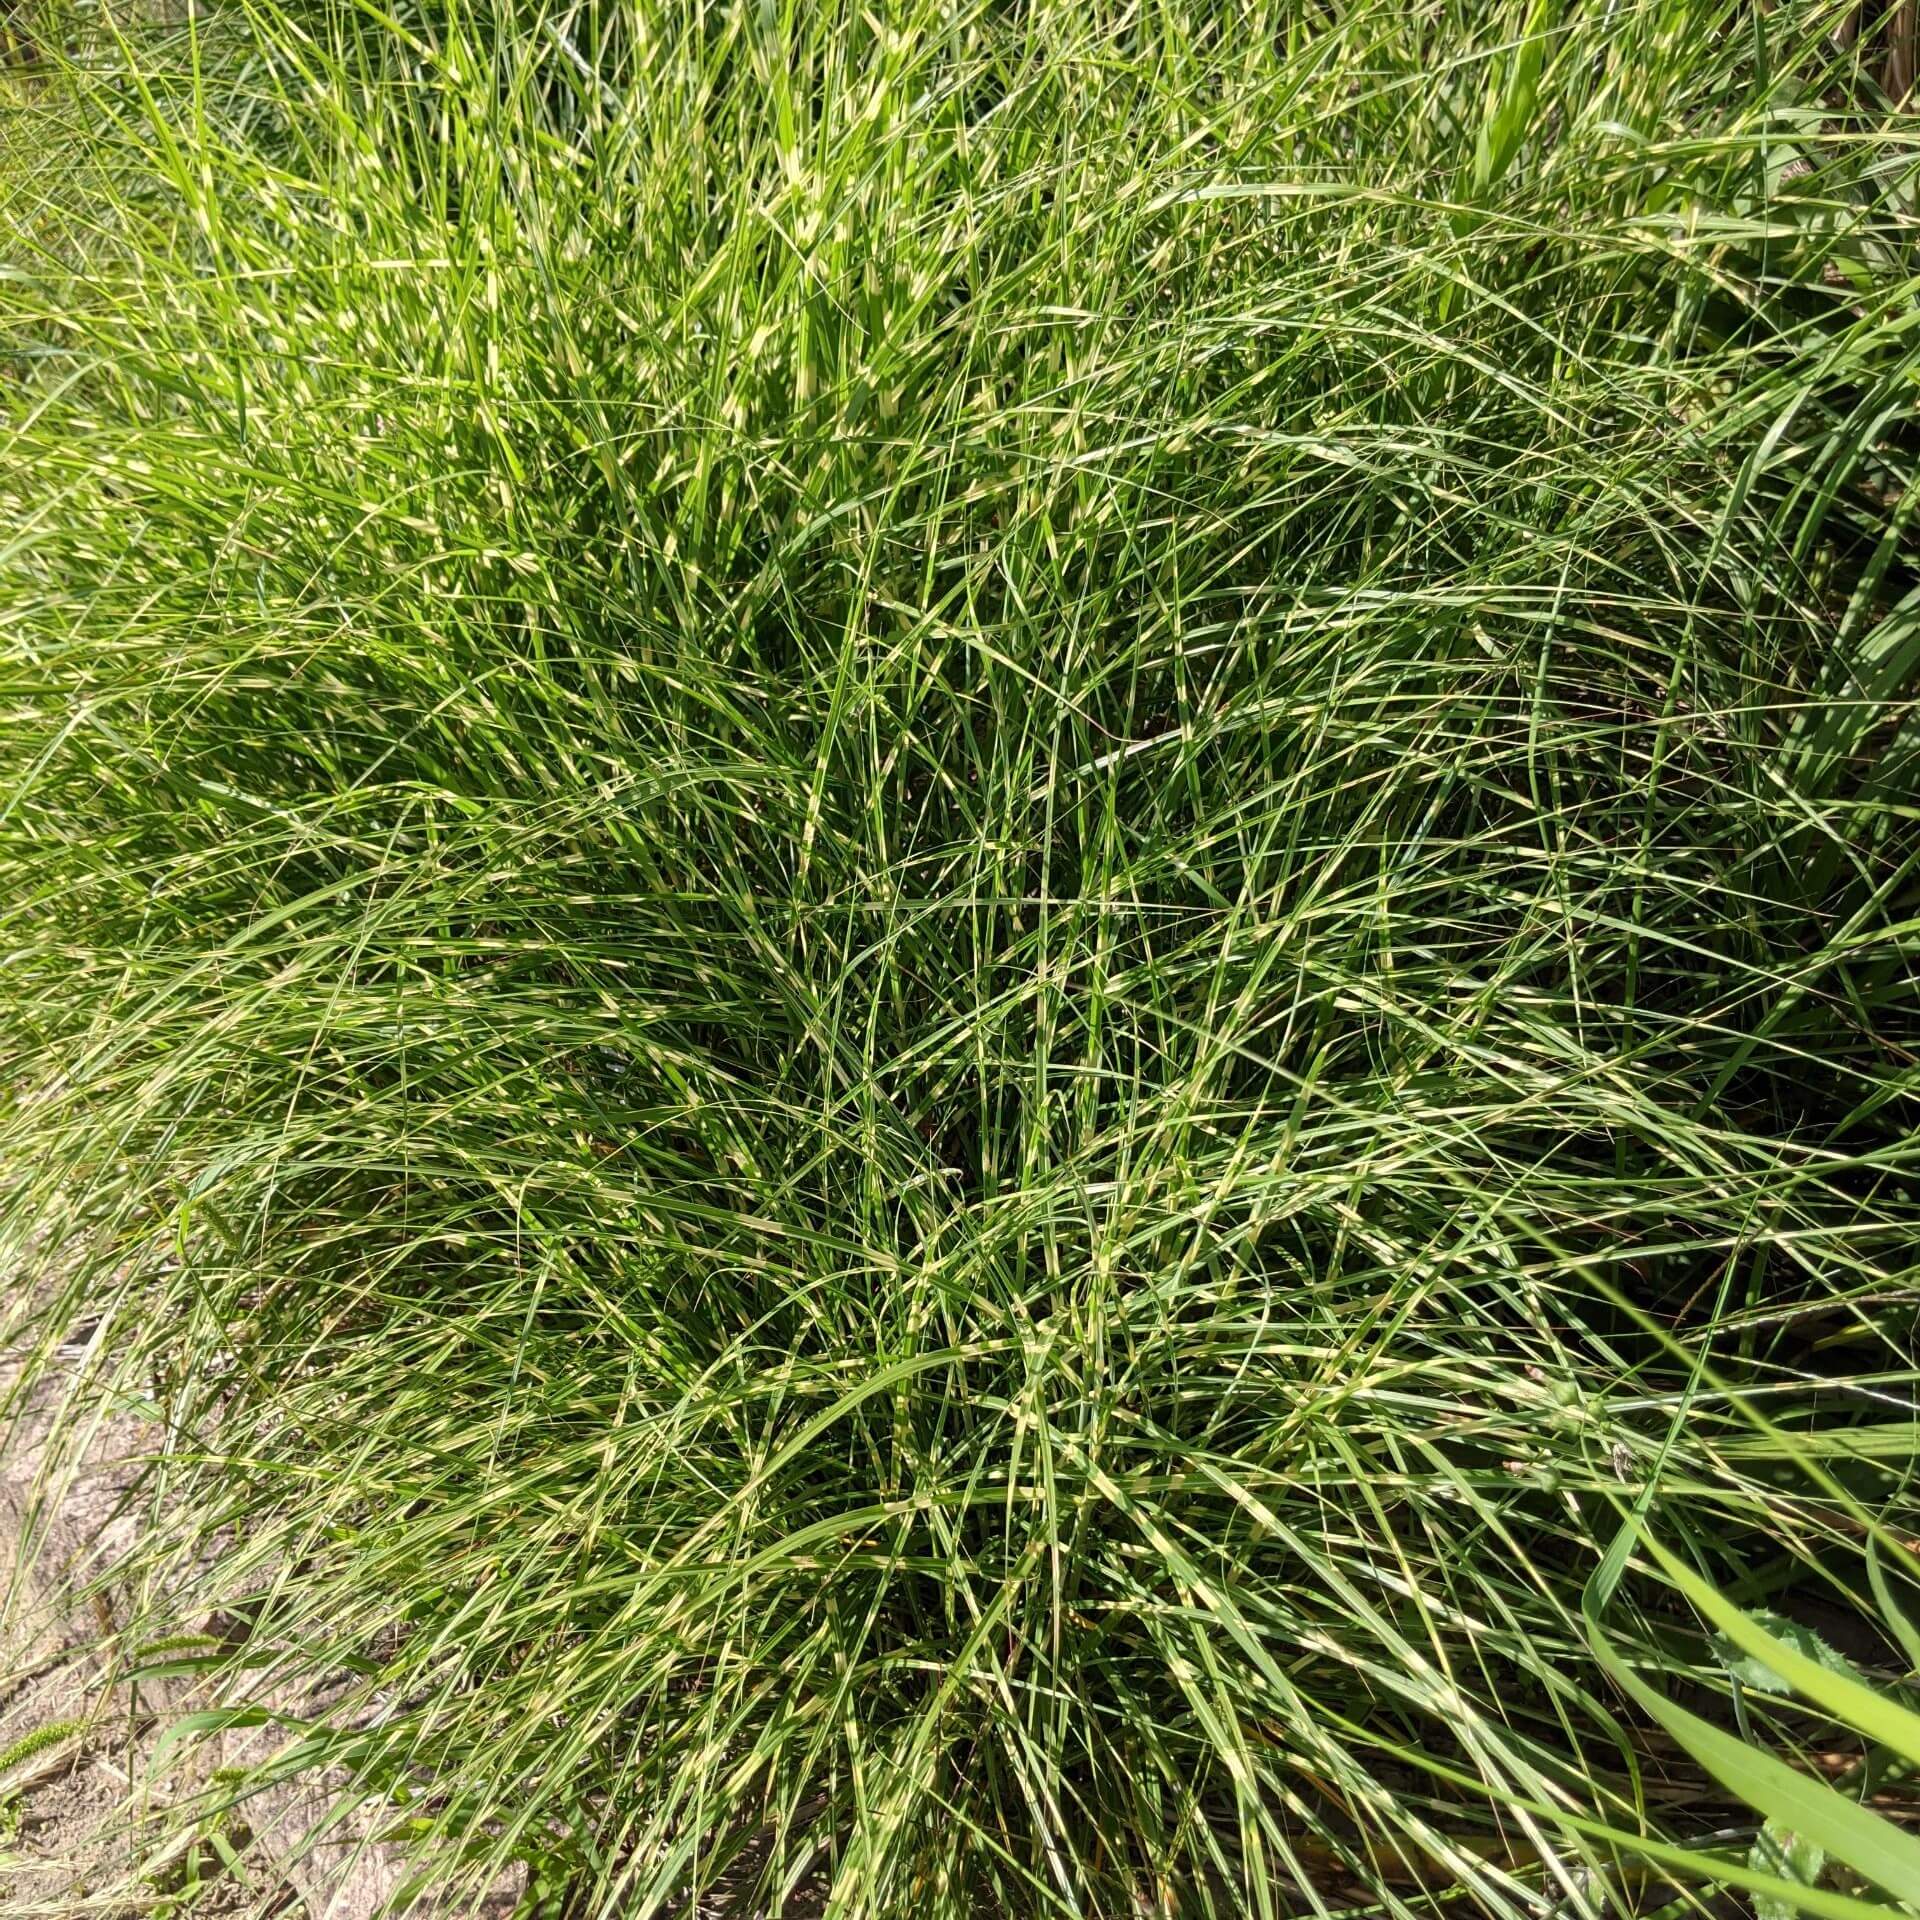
x: 82, y: 1758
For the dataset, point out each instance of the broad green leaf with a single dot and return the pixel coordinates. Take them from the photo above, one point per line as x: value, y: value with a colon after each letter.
x: 1848, y: 1699
x: 1752, y: 1671
x: 1873, y: 1846
x: 1792, y: 1857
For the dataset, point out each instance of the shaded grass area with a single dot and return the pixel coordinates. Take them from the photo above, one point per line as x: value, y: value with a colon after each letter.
x: 925, y: 920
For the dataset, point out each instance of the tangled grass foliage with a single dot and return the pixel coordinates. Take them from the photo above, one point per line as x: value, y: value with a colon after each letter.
x: 923, y: 920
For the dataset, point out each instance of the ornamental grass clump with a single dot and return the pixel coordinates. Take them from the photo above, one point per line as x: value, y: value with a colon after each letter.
x: 922, y: 923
